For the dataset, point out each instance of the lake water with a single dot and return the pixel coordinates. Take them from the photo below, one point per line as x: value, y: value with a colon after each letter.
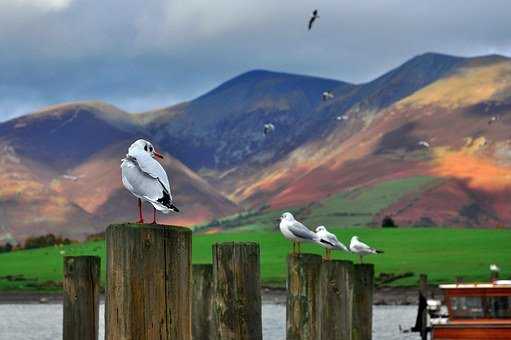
x: 44, y: 322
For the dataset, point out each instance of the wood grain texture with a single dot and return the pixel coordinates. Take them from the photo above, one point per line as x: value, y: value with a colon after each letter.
x: 203, y: 322
x: 237, y: 286
x: 335, y: 300
x: 148, y: 292
x: 363, y: 289
x: 302, y: 289
x: 81, y: 297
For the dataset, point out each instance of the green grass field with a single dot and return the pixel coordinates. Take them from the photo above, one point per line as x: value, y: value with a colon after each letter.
x: 441, y: 253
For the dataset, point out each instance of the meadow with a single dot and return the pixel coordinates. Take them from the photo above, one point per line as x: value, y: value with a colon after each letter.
x: 440, y: 252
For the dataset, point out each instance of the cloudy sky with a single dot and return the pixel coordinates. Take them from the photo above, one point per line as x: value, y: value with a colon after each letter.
x: 141, y: 55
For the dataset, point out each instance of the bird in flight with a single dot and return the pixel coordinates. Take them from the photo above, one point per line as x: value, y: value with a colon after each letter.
x: 146, y: 179
x: 313, y: 18
x: 268, y: 128
x: 327, y: 95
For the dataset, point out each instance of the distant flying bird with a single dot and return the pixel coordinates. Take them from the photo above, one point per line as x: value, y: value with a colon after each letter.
x: 295, y: 231
x: 313, y: 18
x: 494, y: 268
x: 343, y: 117
x: 328, y: 241
x: 146, y: 179
x: 424, y: 144
x: 493, y: 120
x: 268, y: 128
x: 361, y: 248
x: 327, y: 95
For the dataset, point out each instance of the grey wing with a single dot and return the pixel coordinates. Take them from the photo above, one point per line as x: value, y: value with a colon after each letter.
x: 301, y: 231
x: 359, y: 246
x: 331, y: 238
x: 139, y: 183
x: 153, y: 168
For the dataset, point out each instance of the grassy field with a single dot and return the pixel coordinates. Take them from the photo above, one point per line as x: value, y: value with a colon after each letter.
x: 441, y: 253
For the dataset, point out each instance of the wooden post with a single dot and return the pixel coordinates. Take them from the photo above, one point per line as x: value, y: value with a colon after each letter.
x: 203, y: 325
x: 237, y: 287
x: 148, y: 293
x: 302, y: 289
x: 423, y: 294
x: 335, y: 300
x: 363, y: 289
x: 81, y: 297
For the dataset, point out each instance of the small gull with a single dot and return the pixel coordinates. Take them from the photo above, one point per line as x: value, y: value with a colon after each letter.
x: 361, y: 248
x: 327, y: 95
x: 494, y: 268
x: 343, y: 117
x: 295, y: 231
x: 313, y: 18
x: 146, y: 179
x: 268, y: 128
x: 424, y: 144
x: 328, y: 241
x: 493, y: 119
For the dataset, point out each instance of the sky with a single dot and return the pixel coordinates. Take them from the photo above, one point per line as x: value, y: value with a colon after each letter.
x: 143, y: 55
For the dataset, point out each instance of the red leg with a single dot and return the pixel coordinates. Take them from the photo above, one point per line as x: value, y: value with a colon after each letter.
x: 154, y: 215
x: 140, y: 211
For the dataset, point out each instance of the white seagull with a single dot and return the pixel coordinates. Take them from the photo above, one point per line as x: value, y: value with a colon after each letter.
x: 327, y: 95
x: 343, y: 117
x: 295, y: 231
x: 361, y: 248
x: 146, y: 179
x: 494, y: 268
x: 328, y: 241
x: 424, y: 144
x: 268, y: 128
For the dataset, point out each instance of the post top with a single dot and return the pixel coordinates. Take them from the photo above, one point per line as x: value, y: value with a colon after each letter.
x: 166, y: 227
x: 233, y: 243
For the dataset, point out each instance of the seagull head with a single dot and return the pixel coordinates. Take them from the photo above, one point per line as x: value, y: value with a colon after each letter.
x: 354, y: 238
x: 142, y: 145
x: 320, y: 228
x: 287, y: 216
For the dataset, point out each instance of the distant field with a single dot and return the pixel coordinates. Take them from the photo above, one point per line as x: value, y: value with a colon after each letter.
x: 441, y: 253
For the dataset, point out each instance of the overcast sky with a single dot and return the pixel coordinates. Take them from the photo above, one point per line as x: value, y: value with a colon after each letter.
x: 140, y: 55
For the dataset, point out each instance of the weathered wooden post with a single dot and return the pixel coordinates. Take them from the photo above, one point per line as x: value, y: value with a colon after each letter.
x: 203, y: 325
x: 422, y: 316
x: 237, y: 301
x: 363, y: 289
x: 148, y: 293
x: 335, y: 300
x: 302, y: 290
x: 81, y: 297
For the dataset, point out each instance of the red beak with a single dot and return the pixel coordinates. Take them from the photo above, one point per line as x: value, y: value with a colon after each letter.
x: 158, y: 155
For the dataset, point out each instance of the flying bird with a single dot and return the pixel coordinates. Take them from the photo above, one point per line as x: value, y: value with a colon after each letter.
x: 493, y: 120
x: 343, y: 117
x: 313, y: 18
x: 328, y: 241
x: 494, y: 268
x: 268, y: 128
x: 146, y: 179
x: 295, y: 231
x: 424, y: 144
x: 362, y: 249
x: 327, y: 95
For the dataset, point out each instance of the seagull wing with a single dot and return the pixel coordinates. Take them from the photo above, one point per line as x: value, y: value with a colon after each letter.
x: 332, y: 239
x: 311, y: 21
x: 301, y: 231
x: 152, y: 168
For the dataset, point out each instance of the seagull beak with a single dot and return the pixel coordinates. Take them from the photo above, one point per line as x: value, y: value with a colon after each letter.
x: 158, y: 155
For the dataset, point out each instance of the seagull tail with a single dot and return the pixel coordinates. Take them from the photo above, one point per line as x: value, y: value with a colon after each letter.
x: 379, y: 251
x: 173, y: 208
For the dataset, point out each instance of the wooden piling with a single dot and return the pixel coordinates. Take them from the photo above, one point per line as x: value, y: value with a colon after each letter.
x: 203, y: 325
x: 148, y: 293
x: 237, y: 289
x: 81, y: 297
x: 302, y: 289
x: 423, y: 309
x: 363, y: 289
x: 335, y: 300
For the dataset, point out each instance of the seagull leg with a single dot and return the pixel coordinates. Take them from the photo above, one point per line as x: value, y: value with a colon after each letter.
x: 141, y: 220
x: 154, y: 216
x: 328, y: 254
x: 294, y: 248
x: 361, y: 259
x: 298, y: 245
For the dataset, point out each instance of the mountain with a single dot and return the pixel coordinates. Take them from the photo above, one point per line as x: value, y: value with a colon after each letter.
x: 60, y: 165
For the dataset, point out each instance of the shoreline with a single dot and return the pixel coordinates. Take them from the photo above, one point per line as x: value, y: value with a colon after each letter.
x: 382, y: 296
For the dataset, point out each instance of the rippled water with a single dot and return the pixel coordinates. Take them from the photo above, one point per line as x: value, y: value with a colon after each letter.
x: 44, y: 322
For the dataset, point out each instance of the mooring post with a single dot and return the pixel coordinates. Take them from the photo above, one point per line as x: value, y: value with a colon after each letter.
x: 203, y: 325
x: 423, y: 306
x: 302, y: 289
x: 81, y: 297
x: 148, y: 293
x: 237, y: 289
x: 363, y: 289
x: 335, y: 300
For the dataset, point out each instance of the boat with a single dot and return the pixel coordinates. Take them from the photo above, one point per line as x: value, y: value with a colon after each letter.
x: 479, y: 311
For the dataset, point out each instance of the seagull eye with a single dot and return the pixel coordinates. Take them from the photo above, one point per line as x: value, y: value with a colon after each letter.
x: 145, y: 147
x: 151, y: 148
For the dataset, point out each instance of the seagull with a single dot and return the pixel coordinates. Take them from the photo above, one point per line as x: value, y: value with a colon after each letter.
x: 268, y: 128
x: 146, y: 179
x: 494, y: 268
x: 343, y: 117
x: 327, y: 95
x: 361, y: 248
x: 493, y: 119
x: 313, y: 18
x: 295, y: 231
x: 424, y: 144
x: 328, y: 241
